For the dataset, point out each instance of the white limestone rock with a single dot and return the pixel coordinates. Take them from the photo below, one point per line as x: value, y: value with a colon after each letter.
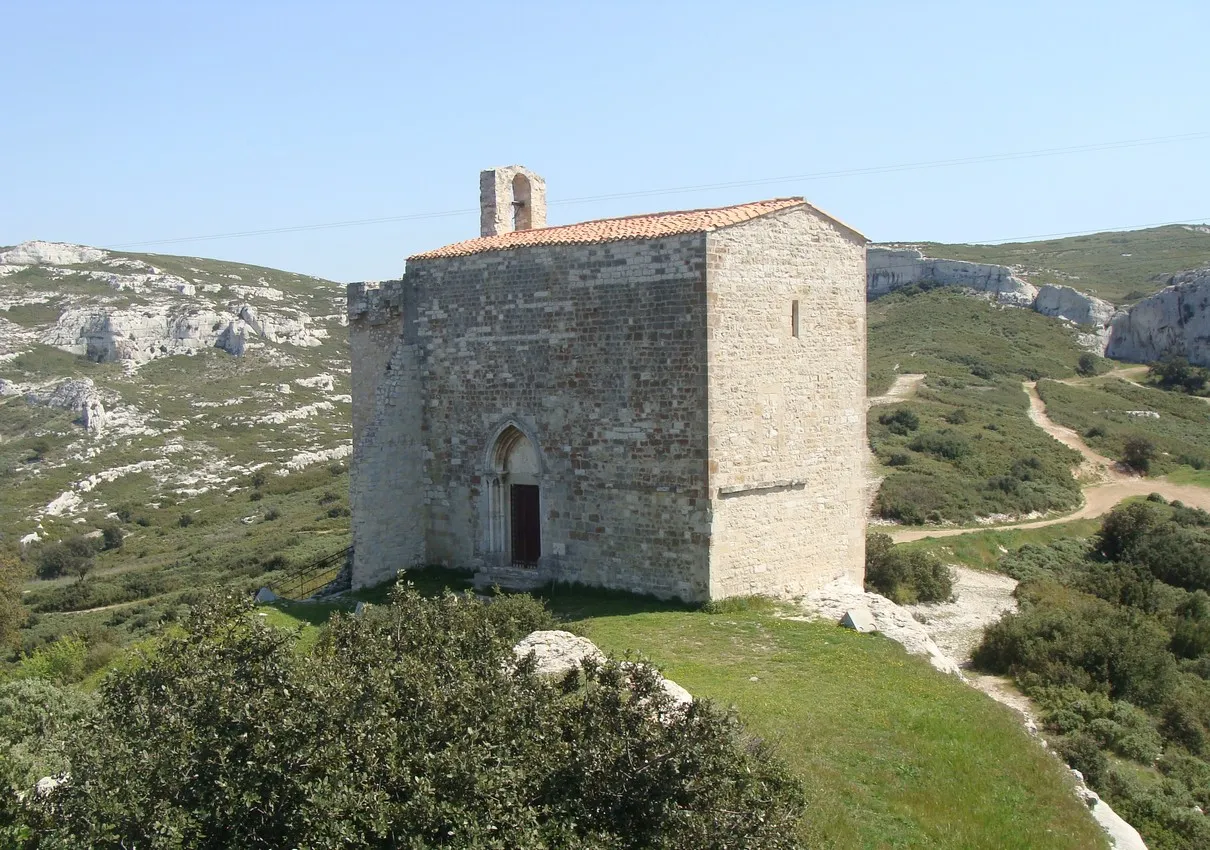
x: 557, y: 652
x: 78, y: 394
x: 888, y: 269
x: 1079, y: 307
x: 1176, y: 320
x: 38, y: 253
x: 1122, y: 836
x: 834, y: 600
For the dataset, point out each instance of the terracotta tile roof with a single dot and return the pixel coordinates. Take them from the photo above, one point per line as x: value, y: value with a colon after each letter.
x: 651, y: 226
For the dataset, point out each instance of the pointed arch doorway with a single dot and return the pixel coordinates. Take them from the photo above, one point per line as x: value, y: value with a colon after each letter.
x: 515, y: 511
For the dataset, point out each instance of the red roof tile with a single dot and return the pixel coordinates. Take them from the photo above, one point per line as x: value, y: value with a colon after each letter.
x: 651, y: 226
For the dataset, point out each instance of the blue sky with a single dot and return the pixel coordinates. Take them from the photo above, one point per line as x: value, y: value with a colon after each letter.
x: 131, y: 122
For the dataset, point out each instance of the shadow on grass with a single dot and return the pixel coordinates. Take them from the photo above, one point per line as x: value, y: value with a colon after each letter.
x: 568, y: 602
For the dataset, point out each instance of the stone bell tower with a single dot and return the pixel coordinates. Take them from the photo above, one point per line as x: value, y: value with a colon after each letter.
x: 510, y: 198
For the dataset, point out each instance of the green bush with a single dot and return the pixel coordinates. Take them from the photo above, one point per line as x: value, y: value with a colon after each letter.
x: 1138, y: 453
x: 943, y: 444
x: 73, y: 556
x: 412, y: 725
x: 1087, y: 364
x: 900, y: 421
x: 111, y: 537
x: 905, y: 575
x: 1082, y: 752
x: 61, y: 661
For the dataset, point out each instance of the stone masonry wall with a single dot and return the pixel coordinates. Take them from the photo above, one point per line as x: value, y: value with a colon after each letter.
x: 787, y: 414
x: 597, y: 351
x: 386, y: 475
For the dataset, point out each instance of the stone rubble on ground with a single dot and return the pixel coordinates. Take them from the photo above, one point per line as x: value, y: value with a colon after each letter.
x: 834, y: 600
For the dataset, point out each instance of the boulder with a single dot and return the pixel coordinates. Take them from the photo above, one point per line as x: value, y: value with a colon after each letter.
x: 557, y: 652
x: 266, y: 596
x: 859, y: 620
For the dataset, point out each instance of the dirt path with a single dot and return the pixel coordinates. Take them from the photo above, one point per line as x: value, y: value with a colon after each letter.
x: 905, y: 387
x: 1107, y: 484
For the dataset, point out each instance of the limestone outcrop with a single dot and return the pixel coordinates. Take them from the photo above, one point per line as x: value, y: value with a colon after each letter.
x: 77, y: 394
x: 889, y: 269
x: 1176, y: 320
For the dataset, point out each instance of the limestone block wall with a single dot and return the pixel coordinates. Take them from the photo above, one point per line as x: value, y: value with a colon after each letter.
x: 787, y: 444
x: 386, y: 473
x: 598, y: 353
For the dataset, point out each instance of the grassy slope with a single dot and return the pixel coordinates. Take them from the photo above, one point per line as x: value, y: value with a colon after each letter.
x: 1182, y: 432
x: 1095, y: 263
x: 945, y: 334
x: 892, y: 753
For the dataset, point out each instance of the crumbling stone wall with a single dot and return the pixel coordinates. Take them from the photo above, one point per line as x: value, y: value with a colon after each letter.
x: 787, y: 404
x: 386, y: 474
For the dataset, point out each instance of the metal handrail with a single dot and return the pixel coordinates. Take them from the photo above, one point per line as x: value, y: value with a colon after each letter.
x: 304, y: 581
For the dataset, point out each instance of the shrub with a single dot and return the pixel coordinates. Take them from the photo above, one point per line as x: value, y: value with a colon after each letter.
x: 1082, y: 752
x: 900, y: 421
x: 255, y: 496
x: 1138, y: 452
x: 73, y: 556
x: 61, y: 661
x: 185, y: 520
x: 905, y: 575
x: 1095, y: 431
x: 112, y: 537
x: 957, y: 416
x: 981, y: 370
x: 943, y: 444
x: 899, y: 459
x: 272, y: 514
x: 1086, y: 365
x: 411, y: 726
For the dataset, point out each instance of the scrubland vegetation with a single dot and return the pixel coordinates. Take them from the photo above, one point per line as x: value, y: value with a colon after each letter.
x: 938, y: 765
x: 1112, y: 640
x: 1171, y: 429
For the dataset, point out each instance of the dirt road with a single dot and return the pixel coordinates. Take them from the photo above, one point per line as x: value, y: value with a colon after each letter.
x: 902, y: 389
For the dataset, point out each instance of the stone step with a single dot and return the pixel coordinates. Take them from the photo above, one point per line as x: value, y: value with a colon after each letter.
x: 510, y: 578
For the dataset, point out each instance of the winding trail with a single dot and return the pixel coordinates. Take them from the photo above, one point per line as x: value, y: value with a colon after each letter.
x: 1108, y: 483
x: 902, y: 389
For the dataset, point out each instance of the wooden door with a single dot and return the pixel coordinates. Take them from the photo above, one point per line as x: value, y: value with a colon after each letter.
x: 526, y: 524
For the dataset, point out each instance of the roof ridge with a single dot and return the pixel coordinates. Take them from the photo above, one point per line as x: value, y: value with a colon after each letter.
x: 622, y: 228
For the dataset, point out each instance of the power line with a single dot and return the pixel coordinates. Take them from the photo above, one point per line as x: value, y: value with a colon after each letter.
x: 792, y: 178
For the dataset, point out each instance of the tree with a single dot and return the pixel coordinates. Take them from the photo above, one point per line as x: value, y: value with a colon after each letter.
x: 1138, y: 453
x: 112, y: 537
x: 73, y: 556
x: 1086, y: 365
x: 411, y: 725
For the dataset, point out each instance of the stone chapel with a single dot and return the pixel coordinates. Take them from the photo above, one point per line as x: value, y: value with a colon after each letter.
x: 671, y: 403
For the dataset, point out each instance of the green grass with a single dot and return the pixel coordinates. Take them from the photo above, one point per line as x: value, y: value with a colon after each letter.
x: 945, y: 333
x: 1098, y: 410
x: 892, y: 753
x: 982, y: 550
x: 1096, y: 263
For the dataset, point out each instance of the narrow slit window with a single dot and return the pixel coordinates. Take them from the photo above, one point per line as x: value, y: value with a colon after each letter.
x: 794, y: 318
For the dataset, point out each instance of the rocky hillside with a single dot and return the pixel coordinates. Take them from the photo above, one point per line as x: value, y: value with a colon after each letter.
x: 135, y: 377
